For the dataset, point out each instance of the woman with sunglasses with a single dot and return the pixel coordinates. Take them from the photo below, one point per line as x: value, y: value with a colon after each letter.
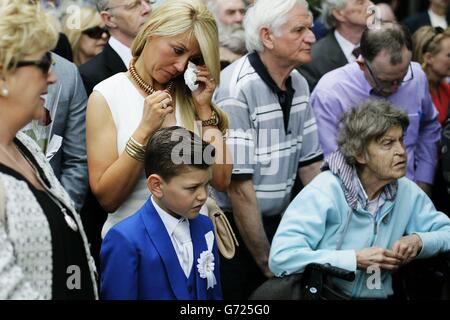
x: 126, y: 109
x: 44, y: 253
x: 89, y: 37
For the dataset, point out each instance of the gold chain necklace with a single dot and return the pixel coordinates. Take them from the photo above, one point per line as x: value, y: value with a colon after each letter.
x: 148, y: 89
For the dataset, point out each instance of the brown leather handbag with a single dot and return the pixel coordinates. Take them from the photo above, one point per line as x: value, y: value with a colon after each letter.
x: 225, y: 237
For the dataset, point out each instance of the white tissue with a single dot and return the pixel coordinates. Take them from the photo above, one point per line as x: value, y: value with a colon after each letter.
x: 190, y: 77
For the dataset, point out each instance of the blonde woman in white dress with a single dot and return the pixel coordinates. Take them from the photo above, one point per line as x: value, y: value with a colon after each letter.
x: 125, y: 110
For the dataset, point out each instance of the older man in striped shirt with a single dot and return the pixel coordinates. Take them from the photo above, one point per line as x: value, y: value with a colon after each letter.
x: 273, y: 134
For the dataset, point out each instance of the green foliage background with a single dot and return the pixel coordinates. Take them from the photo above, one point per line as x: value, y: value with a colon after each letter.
x: 314, y: 3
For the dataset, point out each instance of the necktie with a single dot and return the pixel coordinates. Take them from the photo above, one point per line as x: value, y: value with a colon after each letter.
x: 356, y: 52
x: 183, y: 239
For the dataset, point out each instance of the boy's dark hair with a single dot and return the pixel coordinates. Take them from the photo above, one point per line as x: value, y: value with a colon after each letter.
x: 171, y: 150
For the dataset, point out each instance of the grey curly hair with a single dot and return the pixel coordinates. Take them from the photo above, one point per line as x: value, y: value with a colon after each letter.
x: 365, y: 123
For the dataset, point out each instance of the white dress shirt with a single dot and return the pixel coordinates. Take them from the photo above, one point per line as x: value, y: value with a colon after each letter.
x: 437, y: 21
x: 122, y: 50
x: 346, y: 46
x: 171, y: 223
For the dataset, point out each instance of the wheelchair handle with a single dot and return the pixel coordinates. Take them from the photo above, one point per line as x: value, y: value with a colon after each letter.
x: 328, y: 269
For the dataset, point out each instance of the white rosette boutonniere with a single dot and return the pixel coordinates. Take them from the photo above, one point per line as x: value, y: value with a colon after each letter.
x: 205, y: 265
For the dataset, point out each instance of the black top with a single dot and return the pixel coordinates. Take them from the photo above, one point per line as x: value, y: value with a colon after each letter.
x: 104, y: 65
x: 71, y: 276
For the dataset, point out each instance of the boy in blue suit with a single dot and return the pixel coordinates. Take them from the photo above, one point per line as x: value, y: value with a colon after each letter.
x: 166, y: 250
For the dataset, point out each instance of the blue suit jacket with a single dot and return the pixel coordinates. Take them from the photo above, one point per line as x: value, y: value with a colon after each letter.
x: 139, y: 262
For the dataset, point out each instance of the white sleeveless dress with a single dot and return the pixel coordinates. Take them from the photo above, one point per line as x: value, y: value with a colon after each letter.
x: 127, y: 106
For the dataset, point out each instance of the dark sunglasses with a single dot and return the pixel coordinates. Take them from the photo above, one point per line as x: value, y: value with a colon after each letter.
x: 96, y: 32
x: 44, y: 64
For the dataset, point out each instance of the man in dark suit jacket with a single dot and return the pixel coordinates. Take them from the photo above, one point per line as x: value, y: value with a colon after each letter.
x: 349, y: 19
x: 438, y: 10
x: 327, y: 55
x: 104, y: 65
x: 123, y: 21
x: 123, y: 18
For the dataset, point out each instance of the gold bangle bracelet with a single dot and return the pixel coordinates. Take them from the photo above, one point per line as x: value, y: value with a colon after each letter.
x: 133, y: 142
x: 138, y: 148
x: 135, y: 149
x: 135, y: 155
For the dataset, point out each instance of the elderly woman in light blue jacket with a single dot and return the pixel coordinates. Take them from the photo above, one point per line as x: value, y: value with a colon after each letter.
x: 361, y: 213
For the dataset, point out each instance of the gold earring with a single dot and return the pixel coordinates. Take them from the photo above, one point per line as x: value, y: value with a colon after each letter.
x: 4, y: 92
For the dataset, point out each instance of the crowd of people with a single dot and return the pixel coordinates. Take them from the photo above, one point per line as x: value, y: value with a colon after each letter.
x: 124, y: 122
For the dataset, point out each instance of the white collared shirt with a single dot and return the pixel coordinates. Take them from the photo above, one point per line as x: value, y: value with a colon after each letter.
x: 171, y: 223
x: 437, y: 21
x: 122, y: 50
x: 346, y: 46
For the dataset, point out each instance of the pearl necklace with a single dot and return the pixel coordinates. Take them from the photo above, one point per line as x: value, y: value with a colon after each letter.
x: 148, y: 89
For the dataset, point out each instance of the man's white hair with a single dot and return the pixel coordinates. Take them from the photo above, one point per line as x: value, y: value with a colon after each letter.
x: 268, y: 13
x: 213, y: 6
x: 328, y: 6
x: 230, y: 36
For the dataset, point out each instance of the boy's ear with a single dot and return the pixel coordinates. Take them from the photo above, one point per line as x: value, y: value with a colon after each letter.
x: 155, y: 185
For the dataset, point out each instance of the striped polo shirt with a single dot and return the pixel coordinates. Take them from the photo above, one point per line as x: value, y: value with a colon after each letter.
x: 260, y: 144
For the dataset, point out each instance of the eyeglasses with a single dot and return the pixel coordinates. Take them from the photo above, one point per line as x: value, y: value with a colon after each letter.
x: 96, y: 32
x: 133, y: 5
x: 44, y: 64
x: 382, y: 85
x: 437, y: 31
